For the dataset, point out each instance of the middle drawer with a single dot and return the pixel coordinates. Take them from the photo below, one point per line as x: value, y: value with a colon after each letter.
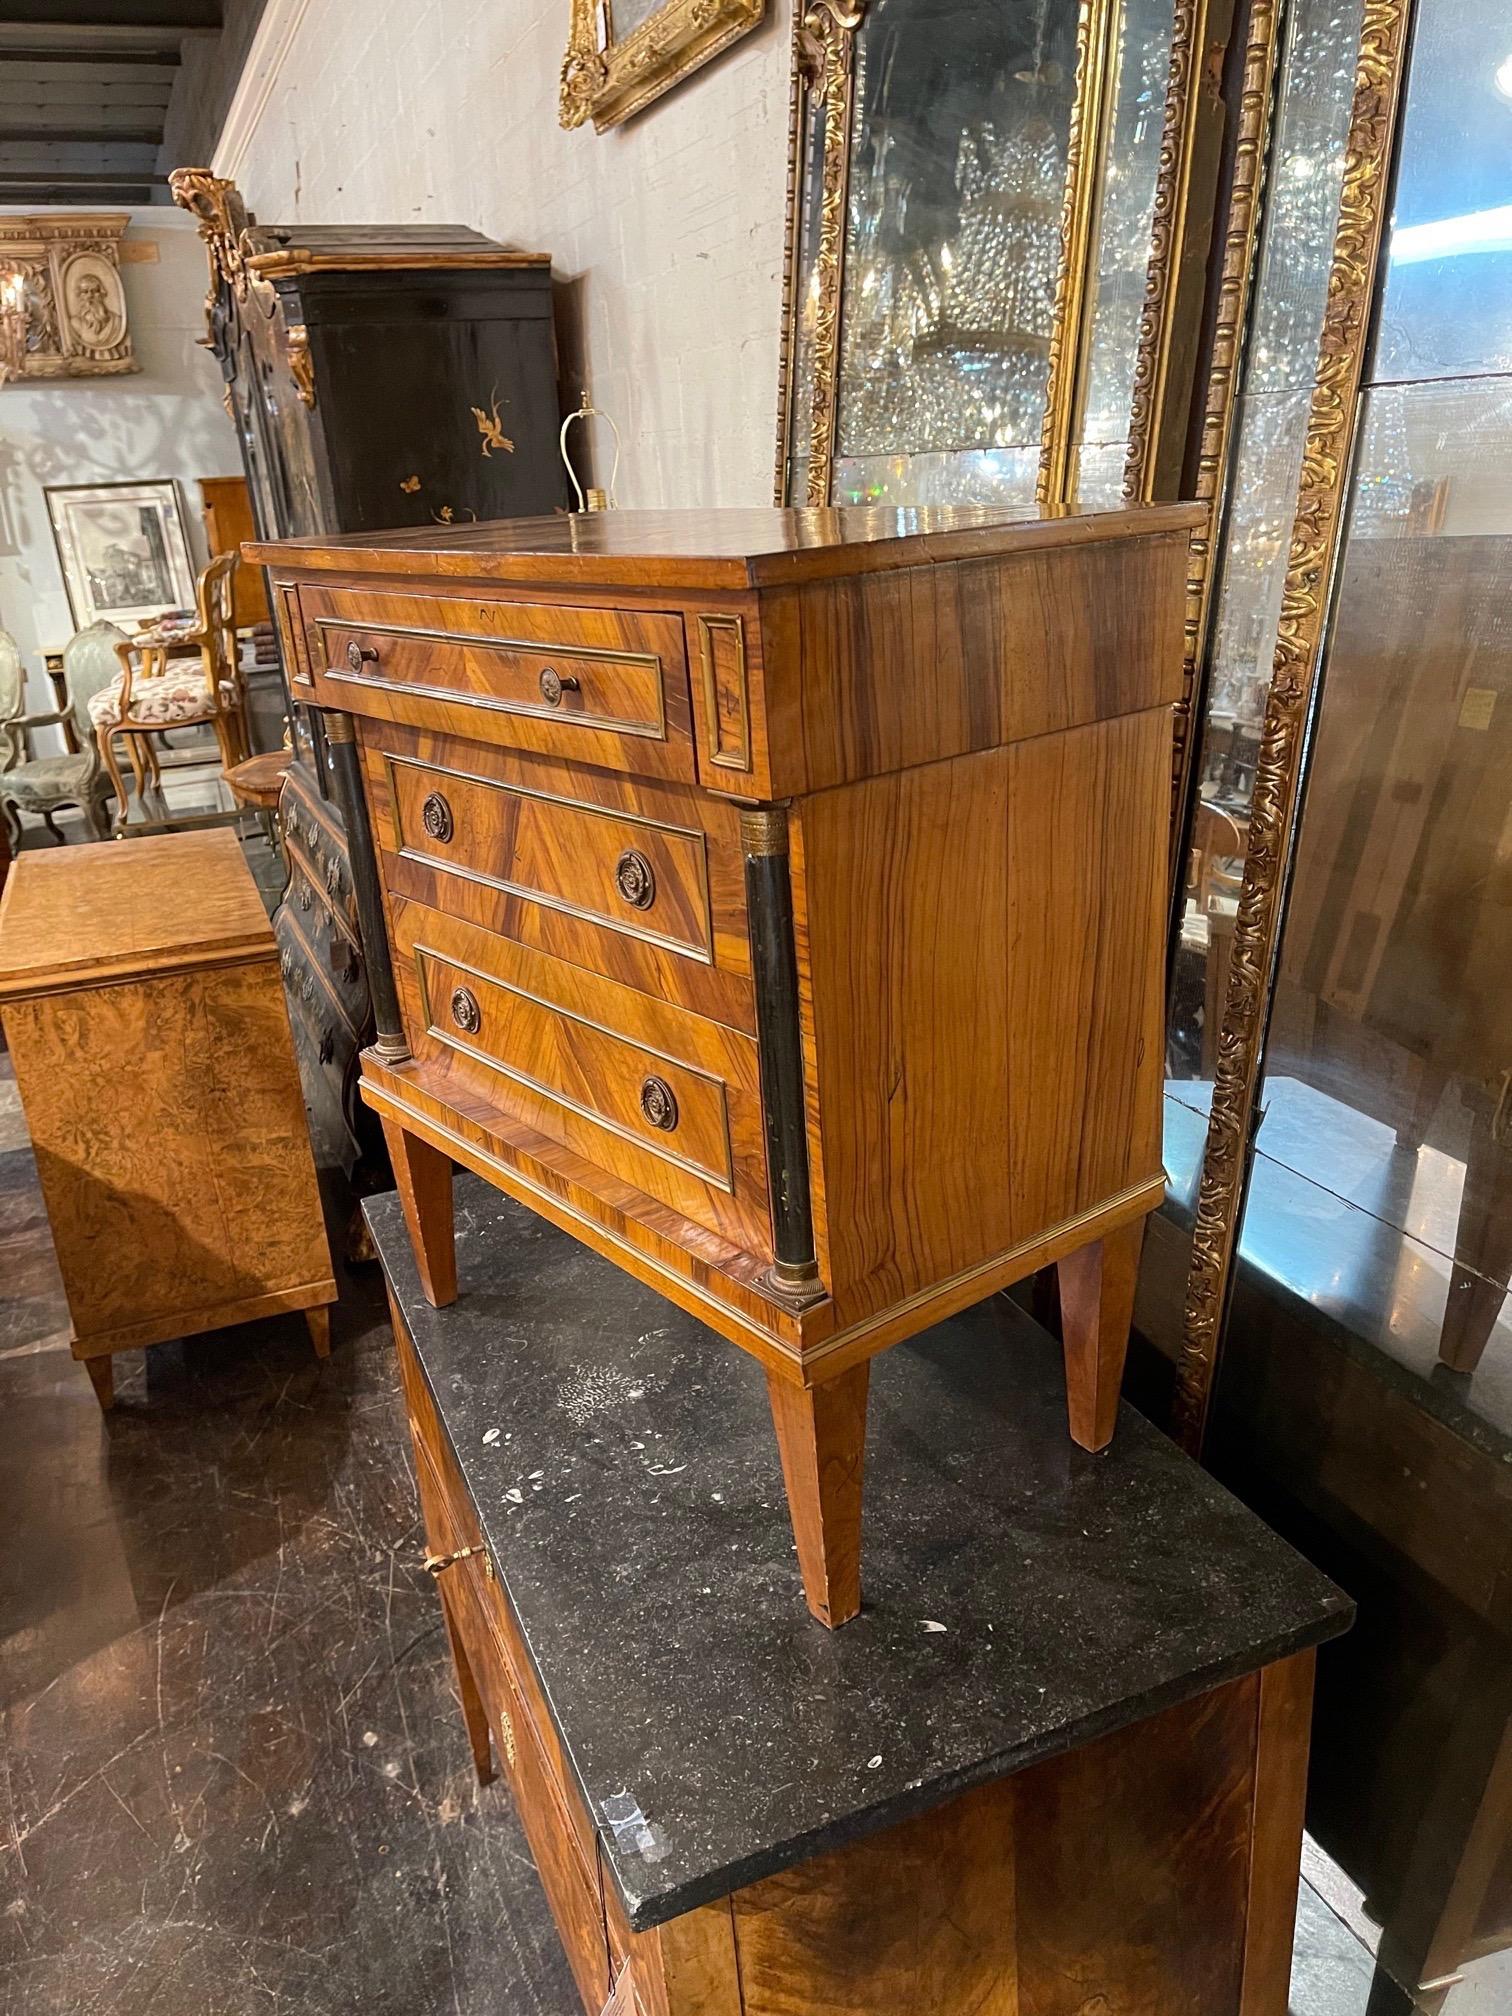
x: 641, y: 881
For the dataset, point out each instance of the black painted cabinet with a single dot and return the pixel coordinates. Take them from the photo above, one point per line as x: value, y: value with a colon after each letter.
x: 377, y: 376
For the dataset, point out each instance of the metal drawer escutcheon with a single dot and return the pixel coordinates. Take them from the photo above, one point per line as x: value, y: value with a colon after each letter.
x: 465, y: 1011
x: 659, y: 1104
x: 634, y: 879
x: 436, y: 817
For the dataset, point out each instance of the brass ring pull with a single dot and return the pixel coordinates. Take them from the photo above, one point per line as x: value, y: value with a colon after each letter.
x: 659, y: 1104
x: 635, y: 879
x: 436, y: 817
x: 358, y: 655
x: 465, y: 1011
x: 553, y: 685
x: 436, y: 1563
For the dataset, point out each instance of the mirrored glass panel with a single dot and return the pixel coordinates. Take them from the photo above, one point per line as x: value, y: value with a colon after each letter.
x: 1389, y: 1081
x: 958, y: 163
x: 1270, y: 432
x: 1141, y: 67
x: 1448, y: 297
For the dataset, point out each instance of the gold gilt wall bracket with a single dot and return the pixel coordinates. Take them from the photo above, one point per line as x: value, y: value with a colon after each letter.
x: 1312, y: 553
x: 610, y: 82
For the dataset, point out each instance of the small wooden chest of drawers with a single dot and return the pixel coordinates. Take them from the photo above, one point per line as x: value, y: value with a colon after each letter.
x: 775, y: 900
x: 142, y: 1006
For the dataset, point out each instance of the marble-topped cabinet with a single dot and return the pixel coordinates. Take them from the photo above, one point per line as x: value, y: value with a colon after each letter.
x: 1055, y: 1766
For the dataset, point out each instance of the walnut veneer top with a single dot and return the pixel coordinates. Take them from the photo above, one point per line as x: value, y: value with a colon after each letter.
x: 717, y: 549
x: 73, y: 916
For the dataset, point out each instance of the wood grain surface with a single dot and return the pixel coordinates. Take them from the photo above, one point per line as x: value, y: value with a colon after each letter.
x: 533, y: 853
x: 171, y: 1145
x: 716, y: 549
x: 571, y: 1054
x: 484, y: 668
x: 72, y: 916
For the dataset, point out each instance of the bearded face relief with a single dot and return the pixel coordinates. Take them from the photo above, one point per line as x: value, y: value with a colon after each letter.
x: 96, y: 309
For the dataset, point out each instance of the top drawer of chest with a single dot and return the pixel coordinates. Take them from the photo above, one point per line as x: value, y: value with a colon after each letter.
x: 603, y: 686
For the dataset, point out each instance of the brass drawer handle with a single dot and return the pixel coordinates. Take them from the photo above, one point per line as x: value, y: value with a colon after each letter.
x: 553, y: 685
x: 659, y: 1104
x: 635, y: 880
x: 358, y: 655
x: 436, y: 817
x: 465, y: 1011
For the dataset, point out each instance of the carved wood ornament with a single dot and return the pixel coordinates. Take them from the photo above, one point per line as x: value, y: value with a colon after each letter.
x: 75, y: 303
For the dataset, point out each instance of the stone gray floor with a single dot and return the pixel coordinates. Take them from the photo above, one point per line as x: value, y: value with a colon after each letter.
x: 233, y: 1776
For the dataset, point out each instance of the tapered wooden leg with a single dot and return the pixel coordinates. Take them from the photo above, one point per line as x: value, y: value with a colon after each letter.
x: 318, y: 1323
x: 821, y: 1432
x: 1097, y: 1307
x: 473, y: 1712
x: 105, y: 741
x: 102, y: 1377
x: 424, y: 1178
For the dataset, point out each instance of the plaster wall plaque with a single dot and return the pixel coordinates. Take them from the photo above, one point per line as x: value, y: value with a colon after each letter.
x: 75, y: 303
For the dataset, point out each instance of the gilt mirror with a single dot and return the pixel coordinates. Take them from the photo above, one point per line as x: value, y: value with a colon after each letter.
x: 992, y: 208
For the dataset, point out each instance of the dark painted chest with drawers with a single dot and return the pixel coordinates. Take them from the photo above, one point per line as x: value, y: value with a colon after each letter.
x: 376, y: 375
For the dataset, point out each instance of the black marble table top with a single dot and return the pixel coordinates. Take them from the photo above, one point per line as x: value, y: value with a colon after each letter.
x: 1021, y: 1597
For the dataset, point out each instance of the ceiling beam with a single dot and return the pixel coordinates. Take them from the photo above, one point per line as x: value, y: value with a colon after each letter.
x: 96, y: 133
x: 178, y: 15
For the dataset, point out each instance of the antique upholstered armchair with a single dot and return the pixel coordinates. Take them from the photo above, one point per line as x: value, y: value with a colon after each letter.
x: 159, y: 688
x: 45, y: 784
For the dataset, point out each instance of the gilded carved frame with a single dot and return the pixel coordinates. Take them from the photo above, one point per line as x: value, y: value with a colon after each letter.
x: 1313, y: 552
x: 823, y: 79
x: 610, y: 84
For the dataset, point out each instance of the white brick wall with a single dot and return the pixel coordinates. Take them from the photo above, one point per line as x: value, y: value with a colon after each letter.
x: 389, y: 111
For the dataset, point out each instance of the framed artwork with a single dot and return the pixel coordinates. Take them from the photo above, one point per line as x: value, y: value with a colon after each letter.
x: 621, y: 54
x: 124, y: 556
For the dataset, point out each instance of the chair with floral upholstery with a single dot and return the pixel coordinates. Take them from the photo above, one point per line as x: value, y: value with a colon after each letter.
x: 44, y: 784
x: 158, y: 689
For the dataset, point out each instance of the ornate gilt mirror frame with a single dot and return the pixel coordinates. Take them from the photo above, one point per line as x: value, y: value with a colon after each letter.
x: 610, y: 83
x: 1317, y: 525
x: 823, y: 92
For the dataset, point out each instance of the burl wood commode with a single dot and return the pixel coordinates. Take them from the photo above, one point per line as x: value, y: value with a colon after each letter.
x: 776, y: 902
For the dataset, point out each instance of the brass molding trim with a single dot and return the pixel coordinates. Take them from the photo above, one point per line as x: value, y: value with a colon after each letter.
x: 611, y: 84
x: 338, y: 726
x: 1313, y: 551
x: 1236, y: 277
x: 289, y: 262
x: 734, y: 754
x: 764, y: 830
